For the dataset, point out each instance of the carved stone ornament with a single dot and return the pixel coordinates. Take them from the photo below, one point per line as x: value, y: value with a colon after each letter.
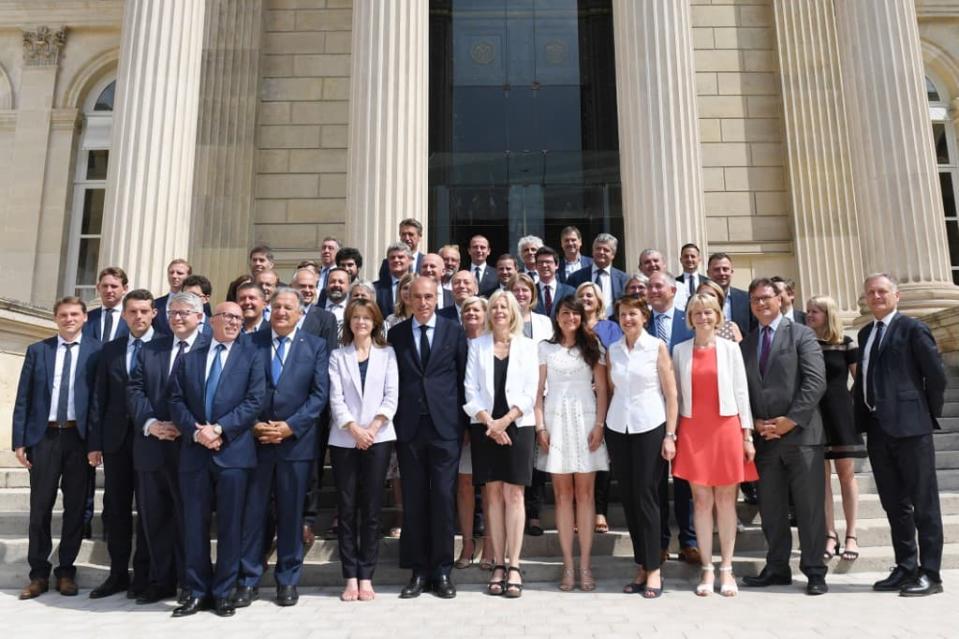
x: 42, y: 46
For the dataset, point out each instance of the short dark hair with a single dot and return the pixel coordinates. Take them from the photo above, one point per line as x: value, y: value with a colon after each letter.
x: 789, y: 284
x: 250, y: 286
x: 262, y: 248
x: 138, y: 295
x: 570, y: 229
x: 414, y: 223
x: 761, y: 282
x: 718, y: 256
x: 114, y: 271
x: 199, y: 280
x: 633, y: 303
x: 349, y: 253
x: 508, y: 256
x: 70, y: 300
x: 547, y: 251
x: 689, y: 245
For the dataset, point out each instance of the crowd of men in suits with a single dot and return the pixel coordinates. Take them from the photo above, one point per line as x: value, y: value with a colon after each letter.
x: 200, y: 413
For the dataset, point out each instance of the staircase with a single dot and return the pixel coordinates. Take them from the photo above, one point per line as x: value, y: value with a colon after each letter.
x: 612, y: 552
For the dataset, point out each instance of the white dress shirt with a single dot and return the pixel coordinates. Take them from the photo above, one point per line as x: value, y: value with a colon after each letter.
x: 213, y: 353
x: 176, y: 346
x: 276, y: 345
x: 430, y: 332
x: 337, y: 308
x: 638, y: 404
x: 115, y: 311
x: 58, y: 373
x: 666, y: 319
x: 571, y: 267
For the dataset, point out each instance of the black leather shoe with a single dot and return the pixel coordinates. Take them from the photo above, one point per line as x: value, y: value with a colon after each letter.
x: 134, y: 592
x: 898, y: 578
x: 816, y: 586
x: 110, y: 587
x: 767, y: 578
x: 154, y: 594
x: 750, y: 493
x: 286, y: 596
x: 444, y: 588
x: 224, y: 607
x: 921, y: 586
x: 416, y: 587
x: 182, y: 595
x: 244, y: 596
x: 88, y: 530
x: 191, y: 606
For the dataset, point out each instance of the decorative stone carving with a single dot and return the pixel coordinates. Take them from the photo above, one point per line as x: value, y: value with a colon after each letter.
x: 42, y: 46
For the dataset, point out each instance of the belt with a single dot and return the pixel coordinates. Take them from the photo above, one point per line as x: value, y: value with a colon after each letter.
x: 65, y: 425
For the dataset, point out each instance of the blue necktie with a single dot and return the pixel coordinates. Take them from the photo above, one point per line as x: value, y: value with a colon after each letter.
x: 63, y: 401
x: 661, y: 328
x: 278, y: 359
x: 137, y: 345
x: 212, y: 381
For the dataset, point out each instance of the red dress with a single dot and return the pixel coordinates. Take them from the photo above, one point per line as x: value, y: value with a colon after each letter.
x: 709, y: 450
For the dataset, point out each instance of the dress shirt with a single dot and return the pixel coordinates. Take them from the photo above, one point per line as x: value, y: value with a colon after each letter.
x: 482, y: 271
x: 266, y: 312
x: 146, y: 338
x: 866, y: 349
x: 571, y: 267
x: 534, y: 274
x: 774, y: 325
x: 728, y: 306
x: 337, y: 309
x: 58, y: 372
x: 289, y: 344
x: 667, y: 321
x: 176, y: 345
x: 607, y: 286
x: 212, y: 353
x: 115, y: 311
x: 637, y: 405
x: 430, y: 332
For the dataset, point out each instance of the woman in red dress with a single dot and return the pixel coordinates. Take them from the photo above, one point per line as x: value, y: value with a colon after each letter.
x: 714, y: 447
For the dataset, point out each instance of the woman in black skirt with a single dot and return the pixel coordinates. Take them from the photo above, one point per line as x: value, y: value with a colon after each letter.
x: 843, y: 443
x: 502, y: 372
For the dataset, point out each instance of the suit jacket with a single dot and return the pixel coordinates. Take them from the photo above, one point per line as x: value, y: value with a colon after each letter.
x: 440, y: 384
x: 742, y: 315
x: 679, y: 332
x: 585, y: 262
x: 351, y: 400
x: 322, y: 323
x: 562, y: 290
x: 680, y: 282
x: 92, y: 328
x: 236, y: 405
x: 616, y: 276
x: 384, y: 272
x: 384, y: 295
x: 910, y: 380
x: 794, y: 383
x: 31, y: 411
x: 489, y: 283
x: 299, y: 396
x: 799, y: 316
x: 522, y: 377
x: 450, y: 313
x: 110, y: 422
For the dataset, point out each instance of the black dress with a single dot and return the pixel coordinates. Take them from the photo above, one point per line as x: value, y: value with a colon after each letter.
x: 492, y: 462
x: 836, y: 406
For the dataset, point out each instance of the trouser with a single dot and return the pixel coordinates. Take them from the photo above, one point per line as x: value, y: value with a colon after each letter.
x: 535, y: 495
x: 311, y: 504
x: 118, y: 500
x: 682, y: 506
x: 601, y: 492
x: 161, y: 511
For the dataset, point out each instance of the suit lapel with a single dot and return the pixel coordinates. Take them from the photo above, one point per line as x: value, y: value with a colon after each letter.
x: 353, y: 368
x: 296, y: 345
x: 439, y: 334
x: 889, y: 335
x: 50, y: 362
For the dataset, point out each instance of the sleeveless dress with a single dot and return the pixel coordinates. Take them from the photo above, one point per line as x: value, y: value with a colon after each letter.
x: 569, y: 413
x: 843, y: 441
x: 709, y: 450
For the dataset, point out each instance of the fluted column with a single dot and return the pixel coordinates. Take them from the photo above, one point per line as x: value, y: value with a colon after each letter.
x: 894, y: 171
x: 659, y: 146
x: 387, y: 178
x: 817, y: 143
x: 150, y: 179
x: 222, y: 225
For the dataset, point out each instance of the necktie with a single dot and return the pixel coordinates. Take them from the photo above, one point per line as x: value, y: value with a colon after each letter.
x: 107, y: 325
x: 547, y: 293
x: 692, y: 281
x: 63, y: 401
x: 873, y: 366
x: 476, y: 274
x: 212, y: 381
x: 278, y: 359
x: 424, y: 346
x: 599, y: 278
x: 180, y: 349
x: 137, y: 345
x: 764, y: 350
x: 661, y: 328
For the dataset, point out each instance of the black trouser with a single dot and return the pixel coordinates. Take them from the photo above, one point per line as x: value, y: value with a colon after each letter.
x: 161, y: 512
x: 601, y: 492
x: 118, y: 498
x: 360, y: 478
x: 905, y: 472
x: 58, y: 460
x: 795, y: 471
x: 535, y: 495
x: 311, y: 507
x: 637, y: 464
x: 682, y: 507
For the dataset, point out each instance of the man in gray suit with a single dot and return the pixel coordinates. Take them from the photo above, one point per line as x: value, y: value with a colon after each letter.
x: 787, y: 378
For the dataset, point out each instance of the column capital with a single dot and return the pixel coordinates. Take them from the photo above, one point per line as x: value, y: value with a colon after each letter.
x: 42, y: 46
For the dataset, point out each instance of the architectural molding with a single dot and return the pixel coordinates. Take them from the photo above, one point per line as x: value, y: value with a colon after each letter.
x: 98, y: 66
x: 42, y: 46
x: 76, y: 13
x: 6, y: 90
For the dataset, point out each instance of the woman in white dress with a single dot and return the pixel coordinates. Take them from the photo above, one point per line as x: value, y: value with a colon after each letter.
x: 569, y: 430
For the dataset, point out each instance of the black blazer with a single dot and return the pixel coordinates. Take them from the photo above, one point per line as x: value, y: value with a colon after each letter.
x: 584, y: 261
x: 799, y: 316
x: 490, y: 281
x: 92, y: 327
x: 742, y: 315
x: 911, y: 380
x: 322, y: 323
x: 384, y: 295
x: 562, y: 290
x: 110, y: 422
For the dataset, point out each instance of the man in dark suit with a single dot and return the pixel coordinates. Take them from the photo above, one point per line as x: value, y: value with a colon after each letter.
x: 202, y: 287
x: 110, y: 442
x: 431, y: 266
x: 610, y: 279
x: 464, y: 287
x: 451, y: 263
x: 506, y: 268
x: 549, y: 290
x: 328, y: 250
x: 431, y: 358
x: 572, y: 260
x: 156, y: 451
x: 350, y: 260
x: 398, y: 259
x: 261, y: 259
x: 252, y: 300
x: 787, y: 292
x: 411, y: 234
x: 787, y: 377
x: 736, y: 307
x: 485, y: 276
x: 898, y: 396
x: 104, y: 323
x: 176, y: 271
x: 689, y: 257
x: 297, y: 389
x: 50, y: 419
x: 668, y: 323
x: 216, y: 394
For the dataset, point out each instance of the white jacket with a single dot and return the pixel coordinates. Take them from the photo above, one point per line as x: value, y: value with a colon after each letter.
x: 730, y: 373
x: 351, y: 401
x: 522, y: 377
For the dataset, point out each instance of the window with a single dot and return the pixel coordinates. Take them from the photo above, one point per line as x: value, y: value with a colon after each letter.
x: 947, y: 158
x: 90, y: 185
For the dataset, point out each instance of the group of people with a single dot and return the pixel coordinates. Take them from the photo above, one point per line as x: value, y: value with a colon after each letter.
x: 469, y: 384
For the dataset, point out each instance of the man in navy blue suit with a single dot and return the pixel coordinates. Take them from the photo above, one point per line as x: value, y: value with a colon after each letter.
x: 398, y: 258
x: 50, y: 420
x: 252, y: 300
x: 156, y: 451
x: 110, y: 442
x: 176, y: 271
x: 296, y: 369
x: 431, y: 358
x: 549, y: 290
x: 572, y: 260
x: 610, y: 279
x: 485, y: 275
x: 105, y: 324
x: 216, y: 394
x: 464, y: 287
x: 411, y: 233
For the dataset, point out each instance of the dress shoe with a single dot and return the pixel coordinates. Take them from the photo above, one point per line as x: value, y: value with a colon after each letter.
x: 191, y: 606
x: 767, y: 578
x: 35, y: 588
x: 921, y: 586
x: 816, y: 586
x: 691, y: 556
x: 154, y: 594
x: 244, y: 596
x: 750, y: 493
x: 286, y: 596
x: 416, y: 587
x: 134, y: 592
x: 898, y: 578
x: 444, y: 588
x: 182, y: 595
x: 66, y: 586
x: 88, y: 530
x: 224, y: 607
x: 110, y: 587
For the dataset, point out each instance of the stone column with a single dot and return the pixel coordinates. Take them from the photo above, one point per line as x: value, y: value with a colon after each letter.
x: 389, y: 104
x: 222, y: 225
x: 660, y: 157
x: 894, y: 171
x: 150, y: 179
x: 817, y: 143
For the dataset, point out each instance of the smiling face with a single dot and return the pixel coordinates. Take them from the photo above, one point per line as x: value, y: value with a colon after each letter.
x: 603, y: 254
x: 260, y: 262
x: 183, y: 320
x: 505, y: 269
x: 479, y: 249
x: 546, y: 267
x: 571, y: 245
x: 703, y: 318
x: 474, y: 319
x: 305, y: 282
x: 528, y: 255
x: 464, y: 285
x: 268, y: 281
x: 251, y: 303
x: 587, y: 296
x: 766, y: 304
x: 431, y: 266
x: 816, y: 318
x: 70, y: 319
x: 524, y: 296
x: 690, y: 259
x: 499, y: 312
x: 399, y: 263
x: 660, y: 292
x: 337, y: 284
x: 451, y: 261
x: 651, y: 263
x: 632, y: 321
x: 568, y: 320
x: 361, y: 323
x: 226, y: 322
x: 721, y: 272
x: 285, y: 313
x: 882, y: 296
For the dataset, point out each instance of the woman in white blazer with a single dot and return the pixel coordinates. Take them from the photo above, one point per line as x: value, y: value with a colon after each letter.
x: 364, y: 389
x: 714, y: 445
x: 501, y: 379
x: 535, y: 325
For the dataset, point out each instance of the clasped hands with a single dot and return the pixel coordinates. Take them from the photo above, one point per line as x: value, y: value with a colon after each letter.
x: 208, y: 437
x: 774, y: 428
x: 272, y: 432
x: 166, y: 431
x: 496, y: 430
x: 364, y: 436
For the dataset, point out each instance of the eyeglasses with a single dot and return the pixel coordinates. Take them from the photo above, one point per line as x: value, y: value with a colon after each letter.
x: 762, y: 300
x: 230, y: 317
x: 184, y: 314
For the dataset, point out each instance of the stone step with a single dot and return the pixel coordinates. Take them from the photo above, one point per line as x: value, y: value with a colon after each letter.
x: 949, y: 424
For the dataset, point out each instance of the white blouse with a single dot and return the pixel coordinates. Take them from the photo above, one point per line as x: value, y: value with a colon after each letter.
x: 638, y: 404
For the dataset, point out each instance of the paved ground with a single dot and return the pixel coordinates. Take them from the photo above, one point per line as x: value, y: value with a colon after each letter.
x: 850, y: 610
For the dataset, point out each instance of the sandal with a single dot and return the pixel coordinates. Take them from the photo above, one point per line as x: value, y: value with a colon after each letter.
x: 486, y: 564
x: 586, y: 581
x: 829, y: 554
x: 466, y: 559
x: 850, y: 555
x: 567, y: 583
x: 705, y: 588
x: 497, y: 587
x: 634, y: 588
x: 729, y: 589
x: 602, y: 526
x: 514, y: 590
x: 653, y: 593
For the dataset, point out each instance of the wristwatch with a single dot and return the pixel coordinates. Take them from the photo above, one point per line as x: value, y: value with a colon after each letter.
x: 748, y: 440
x: 217, y: 429
x: 672, y: 436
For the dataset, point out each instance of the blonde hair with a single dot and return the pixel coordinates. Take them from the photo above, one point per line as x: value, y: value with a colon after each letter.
x: 832, y: 331
x: 399, y: 308
x: 600, y: 302
x: 527, y: 281
x: 516, y: 315
x: 715, y: 288
x: 705, y: 301
x: 474, y: 299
